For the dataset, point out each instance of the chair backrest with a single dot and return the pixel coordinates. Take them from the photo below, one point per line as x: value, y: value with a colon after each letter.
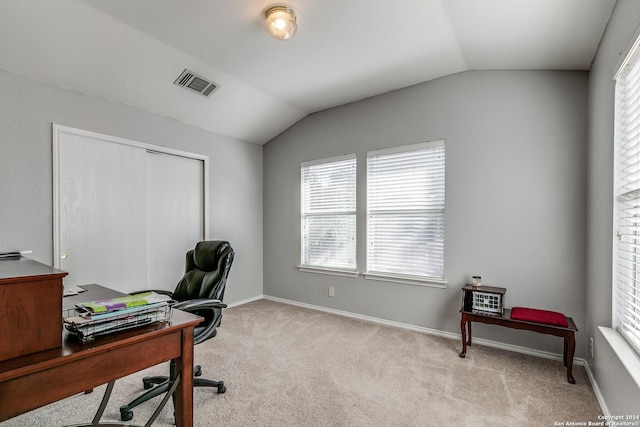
x: 206, y: 270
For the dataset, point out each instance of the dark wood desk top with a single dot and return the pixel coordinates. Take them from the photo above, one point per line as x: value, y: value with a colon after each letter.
x: 25, y: 270
x: 93, y: 293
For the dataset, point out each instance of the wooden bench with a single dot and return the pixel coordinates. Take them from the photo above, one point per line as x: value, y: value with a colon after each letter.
x: 504, y: 319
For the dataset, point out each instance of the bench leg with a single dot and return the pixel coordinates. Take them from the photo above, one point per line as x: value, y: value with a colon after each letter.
x: 569, y: 350
x: 463, y: 330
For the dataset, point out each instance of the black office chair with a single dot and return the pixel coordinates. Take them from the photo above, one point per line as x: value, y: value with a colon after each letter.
x: 200, y: 291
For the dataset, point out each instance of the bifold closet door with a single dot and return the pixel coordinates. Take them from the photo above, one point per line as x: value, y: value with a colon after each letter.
x: 175, y: 215
x: 102, y: 213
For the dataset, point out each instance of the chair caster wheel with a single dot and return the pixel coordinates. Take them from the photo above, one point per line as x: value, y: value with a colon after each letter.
x: 146, y: 384
x: 222, y: 388
x: 125, y: 413
x: 197, y: 371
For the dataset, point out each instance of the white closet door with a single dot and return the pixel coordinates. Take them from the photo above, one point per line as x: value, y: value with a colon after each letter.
x: 102, y: 217
x: 175, y: 206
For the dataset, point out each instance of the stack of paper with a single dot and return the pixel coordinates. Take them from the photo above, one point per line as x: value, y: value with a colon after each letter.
x: 13, y: 254
x: 72, y: 290
x: 106, y: 316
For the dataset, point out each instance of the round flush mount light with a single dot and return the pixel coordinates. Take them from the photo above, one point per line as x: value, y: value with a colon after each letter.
x: 281, y: 22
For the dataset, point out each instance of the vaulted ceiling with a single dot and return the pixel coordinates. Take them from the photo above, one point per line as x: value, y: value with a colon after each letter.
x: 131, y: 51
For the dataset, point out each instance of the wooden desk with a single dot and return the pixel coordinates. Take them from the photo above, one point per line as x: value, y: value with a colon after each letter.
x: 506, y: 320
x: 29, y: 382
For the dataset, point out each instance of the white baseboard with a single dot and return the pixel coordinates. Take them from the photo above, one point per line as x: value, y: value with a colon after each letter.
x: 366, y: 318
x: 245, y: 301
x: 596, y: 390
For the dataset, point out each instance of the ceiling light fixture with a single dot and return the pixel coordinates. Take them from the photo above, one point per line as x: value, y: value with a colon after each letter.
x: 281, y: 22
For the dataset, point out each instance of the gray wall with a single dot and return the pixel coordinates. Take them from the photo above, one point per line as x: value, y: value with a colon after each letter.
x: 27, y: 109
x: 515, y: 196
x: 622, y: 396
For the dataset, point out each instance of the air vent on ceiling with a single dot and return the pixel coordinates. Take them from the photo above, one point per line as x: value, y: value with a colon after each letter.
x: 190, y: 80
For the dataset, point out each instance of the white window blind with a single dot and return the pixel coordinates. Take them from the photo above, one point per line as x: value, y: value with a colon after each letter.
x: 626, y: 283
x: 405, y: 211
x: 329, y: 213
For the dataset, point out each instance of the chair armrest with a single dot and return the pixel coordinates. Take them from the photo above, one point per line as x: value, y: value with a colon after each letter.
x: 199, y: 304
x: 210, y: 309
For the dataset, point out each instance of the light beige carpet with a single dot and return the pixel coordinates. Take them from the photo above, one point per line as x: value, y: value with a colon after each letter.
x: 290, y: 366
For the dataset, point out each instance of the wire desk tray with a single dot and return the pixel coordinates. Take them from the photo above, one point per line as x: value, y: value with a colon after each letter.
x: 86, y: 327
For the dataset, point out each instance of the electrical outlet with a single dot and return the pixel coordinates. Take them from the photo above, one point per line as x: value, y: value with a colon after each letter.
x: 591, y: 346
x: 332, y: 291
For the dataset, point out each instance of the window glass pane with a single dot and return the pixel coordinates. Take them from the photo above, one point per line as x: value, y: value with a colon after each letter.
x: 405, y: 211
x: 407, y: 243
x: 330, y: 241
x: 329, y: 213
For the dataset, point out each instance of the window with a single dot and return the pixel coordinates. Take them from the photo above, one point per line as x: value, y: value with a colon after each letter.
x: 329, y: 213
x: 626, y: 281
x: 405, y: 212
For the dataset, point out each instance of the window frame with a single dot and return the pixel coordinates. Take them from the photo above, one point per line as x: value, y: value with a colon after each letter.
x: 626, y: 193
x: 349, y: 270
x: 411, y: 277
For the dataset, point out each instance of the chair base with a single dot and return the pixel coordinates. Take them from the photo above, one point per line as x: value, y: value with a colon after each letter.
x: 158, y: 385
x: 105, y: 400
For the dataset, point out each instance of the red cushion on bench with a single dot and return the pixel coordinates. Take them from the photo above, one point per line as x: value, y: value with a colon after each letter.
x: 539, y: 316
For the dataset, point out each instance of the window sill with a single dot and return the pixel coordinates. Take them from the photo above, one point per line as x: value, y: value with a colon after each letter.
x: 407, y: 280
x: 628, y: 357
x: 330, y: 271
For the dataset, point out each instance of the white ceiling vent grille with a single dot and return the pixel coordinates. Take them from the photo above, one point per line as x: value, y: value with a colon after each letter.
x: 190, y: 80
